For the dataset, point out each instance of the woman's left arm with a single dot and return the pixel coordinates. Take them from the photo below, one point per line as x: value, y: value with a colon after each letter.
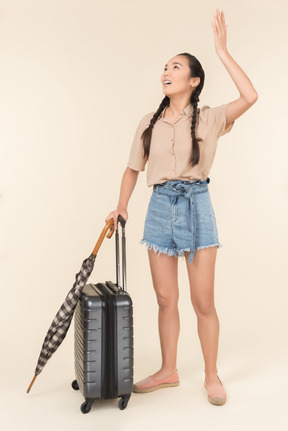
x: 248, y: 94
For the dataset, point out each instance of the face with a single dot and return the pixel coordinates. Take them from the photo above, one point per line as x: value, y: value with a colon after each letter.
x: 177, y: 72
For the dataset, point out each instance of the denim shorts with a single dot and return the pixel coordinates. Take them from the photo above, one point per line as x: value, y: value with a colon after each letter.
x: 180, y: 217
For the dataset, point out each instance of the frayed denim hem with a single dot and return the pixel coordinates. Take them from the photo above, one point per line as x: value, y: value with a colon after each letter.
x: 174, y: 252
x: 170, y: 252
x: 155, y: 247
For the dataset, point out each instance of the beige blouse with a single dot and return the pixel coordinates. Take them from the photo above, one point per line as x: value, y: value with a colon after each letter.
x: 171, y: 145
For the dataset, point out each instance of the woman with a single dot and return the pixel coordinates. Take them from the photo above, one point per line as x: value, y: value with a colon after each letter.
x: 180, y: 140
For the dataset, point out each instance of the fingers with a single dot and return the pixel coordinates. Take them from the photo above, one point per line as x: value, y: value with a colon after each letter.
x: 216, y: 21
x: 114, y: 215
x: 219, y: 20
x: 219, y: 26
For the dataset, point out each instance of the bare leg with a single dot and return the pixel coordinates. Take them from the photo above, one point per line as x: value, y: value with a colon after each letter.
x: 164, y: 271
x: 201, y: 278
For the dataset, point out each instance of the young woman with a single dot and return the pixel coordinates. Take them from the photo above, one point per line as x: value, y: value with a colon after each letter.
x: 180, y: 141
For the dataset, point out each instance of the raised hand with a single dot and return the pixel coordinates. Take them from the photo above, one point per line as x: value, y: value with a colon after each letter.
x: 219, y: 29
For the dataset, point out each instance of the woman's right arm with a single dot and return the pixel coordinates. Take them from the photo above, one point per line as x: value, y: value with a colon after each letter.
x: 128, y: 183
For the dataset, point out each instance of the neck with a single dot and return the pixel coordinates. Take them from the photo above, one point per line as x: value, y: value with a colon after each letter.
x: 177, y: 104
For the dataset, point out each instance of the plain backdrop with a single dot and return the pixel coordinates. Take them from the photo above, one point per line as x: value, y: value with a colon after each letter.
x: 76, y: 77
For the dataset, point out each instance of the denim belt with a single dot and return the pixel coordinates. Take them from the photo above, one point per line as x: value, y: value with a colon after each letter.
x: 185, y: 190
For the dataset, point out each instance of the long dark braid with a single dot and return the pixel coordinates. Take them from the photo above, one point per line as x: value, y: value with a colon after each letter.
x: 147, y: 134
x: 196, y: 70
x: 194, y: 99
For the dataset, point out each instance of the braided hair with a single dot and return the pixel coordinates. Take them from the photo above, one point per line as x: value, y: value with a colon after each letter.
x: 196, y: 70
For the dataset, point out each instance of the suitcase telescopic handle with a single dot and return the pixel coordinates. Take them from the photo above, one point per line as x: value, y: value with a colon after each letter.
x: 110, y: 226
x: 124, y: 286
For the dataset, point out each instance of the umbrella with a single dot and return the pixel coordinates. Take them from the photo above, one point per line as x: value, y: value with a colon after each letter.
x: 61, y: 322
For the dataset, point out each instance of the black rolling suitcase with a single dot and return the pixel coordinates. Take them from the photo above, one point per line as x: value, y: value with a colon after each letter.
x: 103, y: 338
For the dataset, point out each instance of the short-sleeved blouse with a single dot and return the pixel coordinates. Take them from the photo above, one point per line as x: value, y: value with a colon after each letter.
x: 171, y: 145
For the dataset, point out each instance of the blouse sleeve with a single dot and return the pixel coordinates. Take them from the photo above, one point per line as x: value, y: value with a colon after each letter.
x: 136, y: 160
x: 216, y: 119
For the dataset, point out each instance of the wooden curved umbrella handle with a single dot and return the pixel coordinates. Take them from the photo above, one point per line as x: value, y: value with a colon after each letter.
x: 109, y: 225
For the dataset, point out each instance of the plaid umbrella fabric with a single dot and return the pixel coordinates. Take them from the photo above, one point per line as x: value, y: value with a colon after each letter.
x: 61, y: 322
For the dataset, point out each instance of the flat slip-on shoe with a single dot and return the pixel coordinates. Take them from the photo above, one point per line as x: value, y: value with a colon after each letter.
x: 216, y: 393
x: 151, y: 384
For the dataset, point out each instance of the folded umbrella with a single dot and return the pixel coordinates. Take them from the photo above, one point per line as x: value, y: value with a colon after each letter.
x: 61, y: 322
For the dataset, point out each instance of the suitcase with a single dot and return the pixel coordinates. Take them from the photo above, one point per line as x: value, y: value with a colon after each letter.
x: 103, y: 338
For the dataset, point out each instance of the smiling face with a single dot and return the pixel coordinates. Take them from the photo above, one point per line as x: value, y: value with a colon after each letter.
x: 176, y: 77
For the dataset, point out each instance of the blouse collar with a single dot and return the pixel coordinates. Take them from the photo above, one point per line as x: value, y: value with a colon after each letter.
x: 188, y: 111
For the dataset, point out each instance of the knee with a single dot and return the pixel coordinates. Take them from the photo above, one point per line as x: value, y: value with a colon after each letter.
x: 165, y: 300
x: 204, y: 308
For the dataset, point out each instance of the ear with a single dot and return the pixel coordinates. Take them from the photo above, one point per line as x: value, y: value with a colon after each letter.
x: 195, y: 81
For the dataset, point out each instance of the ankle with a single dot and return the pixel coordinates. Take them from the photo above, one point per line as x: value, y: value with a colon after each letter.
x: 211, y: 373
x: 165, y: 372
x: 211, y: 377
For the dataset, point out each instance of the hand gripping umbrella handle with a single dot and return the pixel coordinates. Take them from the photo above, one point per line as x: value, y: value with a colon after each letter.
x: 109, y: 225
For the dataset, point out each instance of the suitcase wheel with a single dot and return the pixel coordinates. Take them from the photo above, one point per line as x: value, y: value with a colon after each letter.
x: 123, y: 402
x: 75, y: 385
x: 86, y: 406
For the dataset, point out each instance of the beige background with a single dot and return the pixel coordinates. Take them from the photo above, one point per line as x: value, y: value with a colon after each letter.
x: 75, y: 79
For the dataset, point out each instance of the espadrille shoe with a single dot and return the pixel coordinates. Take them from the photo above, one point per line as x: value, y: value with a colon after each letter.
x: 150, y: 384
x: 216, y: 393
